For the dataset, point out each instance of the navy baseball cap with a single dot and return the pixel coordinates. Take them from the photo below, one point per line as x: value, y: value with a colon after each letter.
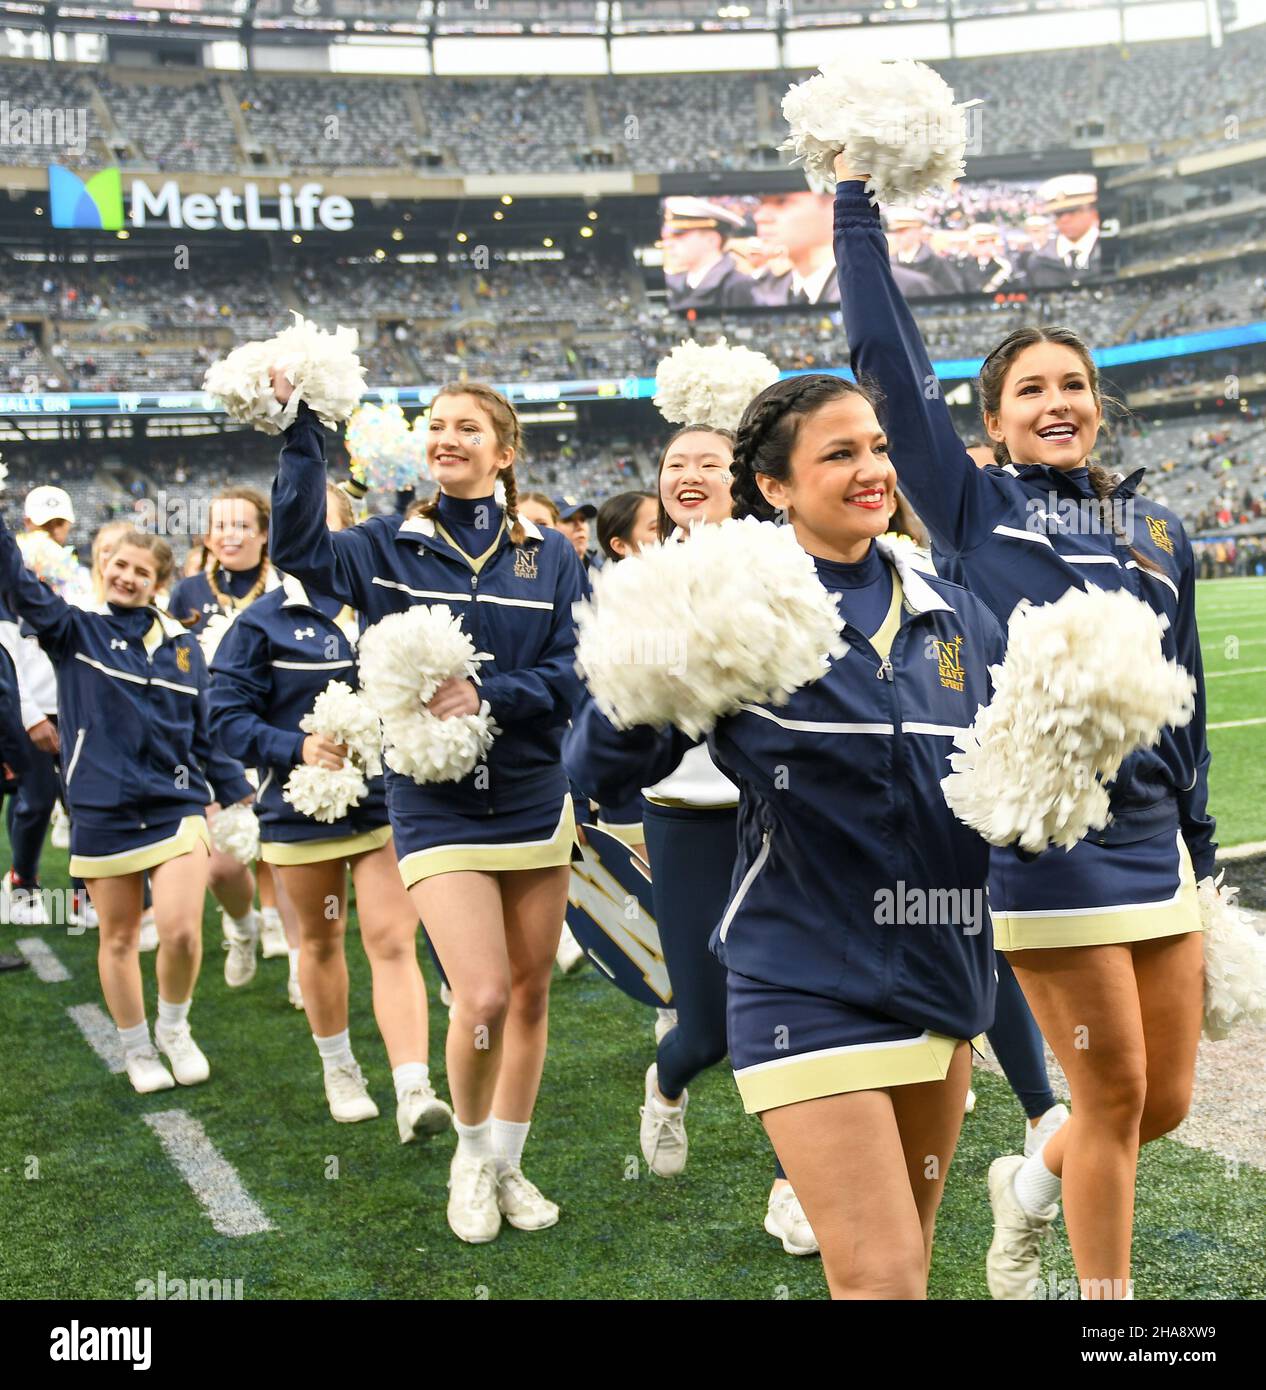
x: 568, y: 508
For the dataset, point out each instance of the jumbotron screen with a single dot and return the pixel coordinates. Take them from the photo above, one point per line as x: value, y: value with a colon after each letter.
x: 774, y: 250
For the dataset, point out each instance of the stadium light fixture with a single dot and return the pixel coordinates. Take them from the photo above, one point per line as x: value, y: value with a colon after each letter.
x: 498, y: 215
x: 461, y: 236
x: 296, y: 238
x: 123, y: 235
x: 397, y: 234
x: 506, y: 199
x: 549, y: 241
x: 593, y: 216
x: 586, y: 231
x: 380, y: 254
x: 39, y: 212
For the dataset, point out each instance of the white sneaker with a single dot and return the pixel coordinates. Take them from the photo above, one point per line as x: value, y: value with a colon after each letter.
x: 571, y: 954
x: 969, y: 1102
x: 82, y: 913
x: 421, y: 1113
x: 665, y: 1022
x: 663, y: 1132
x: 147, y: 1073
x: 21, y: 907
x: 239, y: 964
x: 473, y: 1212
x: 1013, y: 1266
x: 188, y: 1064
x: 293, y: 992
x: 59, y: 827
x: 785, y: 1219
x: 148, y: 939
x: 1037, y: 1135
x: 272, y: 936
x: 522, y: 1203
x: 348, y: 1094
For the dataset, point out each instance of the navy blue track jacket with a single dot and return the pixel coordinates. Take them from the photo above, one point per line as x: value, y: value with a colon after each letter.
x: 1001, y: 531
x: 267, y: 672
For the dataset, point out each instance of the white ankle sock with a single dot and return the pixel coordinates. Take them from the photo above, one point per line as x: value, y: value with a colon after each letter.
x: 293, y: 953
x: 245, y: 926
x: 1036, y: 1187
x: 136, y: 1039
x: 508, y: 1139
x: 336, y: 1050
x: 270, y: 915
x: 474, y: 1141
x: 408, y: 1075
x: 172, y: 1015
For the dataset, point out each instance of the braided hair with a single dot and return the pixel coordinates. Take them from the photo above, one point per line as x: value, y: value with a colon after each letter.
x: 768, y: 429
x: 509, y: 435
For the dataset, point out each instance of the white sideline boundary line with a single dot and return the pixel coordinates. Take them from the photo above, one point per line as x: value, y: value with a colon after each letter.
x: 1237, y: 723
x: 211, y: 1177
x: 43, y: 960
x: 1243, y: 851
x: 100, y: 1034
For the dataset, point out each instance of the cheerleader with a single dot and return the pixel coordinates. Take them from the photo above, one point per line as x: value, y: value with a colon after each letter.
x: 237, y: 572
x: 625, y: 524
x: 1105, y: 939
x: 266, y: 675
x: 140, y: 769
x: 537, y: 507
x: 486, y: 859
x: 689, y: 819
x: 847, y: 1033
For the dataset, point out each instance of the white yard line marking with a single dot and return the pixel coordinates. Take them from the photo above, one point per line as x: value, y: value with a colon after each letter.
x: 42, y: 960
x: 100, y: 1034
x: 1236, y: 723
x: 213, y: 1179
x: 1243, y: 851
x: 1247, y: 671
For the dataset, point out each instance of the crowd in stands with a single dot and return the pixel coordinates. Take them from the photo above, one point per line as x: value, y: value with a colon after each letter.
x: 1157, y: 93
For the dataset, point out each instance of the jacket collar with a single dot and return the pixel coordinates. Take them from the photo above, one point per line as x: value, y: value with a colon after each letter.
x: 919, y: 594
x: 1042, y: 472
x: 162, y: 628
x: 424, y: 526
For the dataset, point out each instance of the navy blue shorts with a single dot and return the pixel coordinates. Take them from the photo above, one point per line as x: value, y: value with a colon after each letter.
x: 787, y: 1046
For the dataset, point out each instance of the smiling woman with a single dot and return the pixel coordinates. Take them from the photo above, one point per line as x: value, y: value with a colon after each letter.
x: 693, y: 478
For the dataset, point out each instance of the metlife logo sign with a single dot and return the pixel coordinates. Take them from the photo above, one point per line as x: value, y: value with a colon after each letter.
x: 98, y: 204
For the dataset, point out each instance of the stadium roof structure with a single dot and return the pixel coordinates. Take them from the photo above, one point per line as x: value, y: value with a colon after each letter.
x: 282, y: 20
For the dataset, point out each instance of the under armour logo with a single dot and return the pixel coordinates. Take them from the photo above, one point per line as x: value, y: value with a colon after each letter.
x: 118, y: 644
x: 210, y: 607
x: 302, y: 632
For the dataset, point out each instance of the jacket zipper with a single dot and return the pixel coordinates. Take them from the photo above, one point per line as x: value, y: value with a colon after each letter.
x: 749, y: 878
x: 74, y: 757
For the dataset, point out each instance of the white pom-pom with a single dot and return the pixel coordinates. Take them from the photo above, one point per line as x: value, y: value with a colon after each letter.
x: 212, y: 634
x: 4, y: 474
x: 712, y: 385
x: 684, y: 634
x: 323, y: 367
x: 1085, y: 683
x: 897, y: 121
x: 341, y: 714
x: 1234, y: 961
x: 404, y: 659
x: 326, y: 794
x: 235, y: 831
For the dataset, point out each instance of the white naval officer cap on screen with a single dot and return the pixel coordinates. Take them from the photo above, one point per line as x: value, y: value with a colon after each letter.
x: 1069, y: 191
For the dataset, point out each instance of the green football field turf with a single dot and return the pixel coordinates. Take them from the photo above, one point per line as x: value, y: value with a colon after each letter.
x: 1232, y: 618
x: 91, y: 1205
